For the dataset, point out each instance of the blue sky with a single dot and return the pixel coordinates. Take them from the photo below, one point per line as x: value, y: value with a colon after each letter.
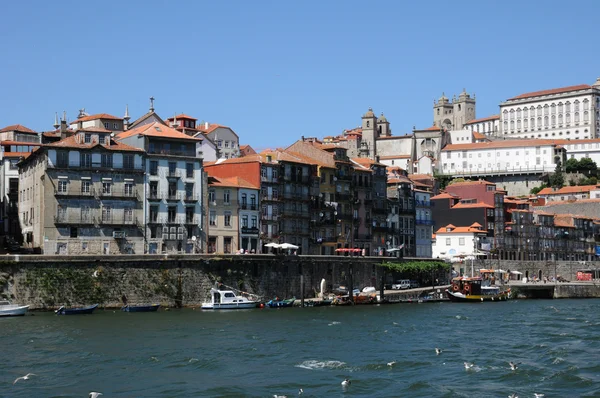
x: 277, y: 70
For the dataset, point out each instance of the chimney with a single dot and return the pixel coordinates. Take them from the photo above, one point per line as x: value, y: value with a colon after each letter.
x: 206, y: 125
x: 126, y: 118
x: 63, y: 126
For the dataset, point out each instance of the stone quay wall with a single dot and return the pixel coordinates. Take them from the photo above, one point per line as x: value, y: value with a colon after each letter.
x: 47, y: 282
x: 566, y: 269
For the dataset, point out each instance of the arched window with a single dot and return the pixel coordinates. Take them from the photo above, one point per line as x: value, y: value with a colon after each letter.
x: 532, y: 123
x: 576, y: 105
x: 539, y: 110
x: 576, y: 117
x: 553, y: 120
x: 518, y: 113
x: 546, y: 109
x: 567, y: 107
x: 546, y: 121
x: 568, y: 118
x: 560, y: 107
x: 553, y: 109
x: 586, y: 104
x: 560, y: 119
x: 512, y: 124
x: 368, y: 123
x: 512, y: 114
x: 586, y: 116
x: 525, y: 123
x: 518, y: 124
x: 525, y: 113
x: 505, y: 125
x: 539, y: 123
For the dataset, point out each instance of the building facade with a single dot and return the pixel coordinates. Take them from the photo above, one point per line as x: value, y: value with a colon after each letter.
x: 567, y: 112
x: 453, y: 115
x: 423, y: 223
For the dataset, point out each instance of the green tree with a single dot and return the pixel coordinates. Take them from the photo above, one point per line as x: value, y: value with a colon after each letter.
x: 454, y: 181
x: 587, y: 166
x: 572, y: 165
x: 557, y: 179
x: 536, y: 190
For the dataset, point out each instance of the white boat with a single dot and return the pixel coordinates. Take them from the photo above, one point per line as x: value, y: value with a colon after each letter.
x: 8, y: 309
x: 227, y: 300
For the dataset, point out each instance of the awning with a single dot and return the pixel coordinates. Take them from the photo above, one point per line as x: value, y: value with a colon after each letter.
x: 516, y: 272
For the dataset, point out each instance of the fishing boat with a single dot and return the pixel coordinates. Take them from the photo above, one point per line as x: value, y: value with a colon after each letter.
x: 9, y: 309
x: 76, y: 311
x: 140, y: 308
x: 227, y: 300
x: 277, y: 303
x: 317, y: 303
x: 473, y: 290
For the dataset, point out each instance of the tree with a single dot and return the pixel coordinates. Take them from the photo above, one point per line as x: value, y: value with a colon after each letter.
x: 454, y: 181
x: 536, y: 190
x: 572, y: 165
x: 587, y: 166
x: 557, y: 179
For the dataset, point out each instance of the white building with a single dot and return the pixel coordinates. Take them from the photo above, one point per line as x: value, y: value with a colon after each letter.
x: 567, y: 112
x: 249, y: 216
x: 226, y: 140
x: 579, y: 149
x: 501, y: 157
x: 566, y: 194
x: 423, y: 222
x: 489, y: 126
x: 462, y: 243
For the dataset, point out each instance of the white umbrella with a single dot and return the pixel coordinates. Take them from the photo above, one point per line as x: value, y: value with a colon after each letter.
x: 286, y: 246
x: 272, y: 244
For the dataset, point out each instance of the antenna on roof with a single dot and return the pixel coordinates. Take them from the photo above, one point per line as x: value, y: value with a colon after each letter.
x: 151, y: 104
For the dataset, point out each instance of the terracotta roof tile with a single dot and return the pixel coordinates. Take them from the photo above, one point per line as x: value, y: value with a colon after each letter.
x: 392, y: 157
x: 479, y: 136
x: 95, y: 117
x: 567, y: 190
x: 478, y: 182
x: 181, y: 116
x: 157, y: 130
x: 17, y: 127
x: 15, y: 154
x: 564, y: 220
x: 236, y: 182
x: 211, y: 127
x: 72, y: 142
x: 472, y: 206
x: 432, y: 128
x: 445, y: 195
x: 367, y: 162
x: 484, y: 119
x: 7, y: 142
x: 458, y: 230
x: 552, y: 91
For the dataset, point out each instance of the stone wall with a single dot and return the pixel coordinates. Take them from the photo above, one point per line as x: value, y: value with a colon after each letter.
x: 566, y: 269
x: 185, y: 280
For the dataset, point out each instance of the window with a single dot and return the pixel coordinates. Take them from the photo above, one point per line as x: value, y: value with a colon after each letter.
x: 106, y: 160
x: 227, y: 219
x: 106, y: 125
x: 172, y: 168
x: 254, y: 222
x: 85, y: 159
x: 211, y: 195
x: 226, y: 144
x: 115, y: 126
x: 153, y: 189
x: 128, y: 189
x: 227, y: 244
x: 62, y: 186
x: 189, y: 170
x: 244, y: 201
x: 172, y: 214
x: 73, y: 232
x: 212, y: 219
x: 461, y: 241
x: 107, y: 188
x: 448, y: 242
x: 154, y: 167
x: 226, y: 196
x: 252, y: 202
x: 244, y: 221
x: 62, y: 158
x: 128, y: 161
x: 128, y: 215
x: 153, y: 213
x: 86, y: 187
x: 106, y: 213
x: 448, y: 155
x: 189, y: 191
x: 88, y: 138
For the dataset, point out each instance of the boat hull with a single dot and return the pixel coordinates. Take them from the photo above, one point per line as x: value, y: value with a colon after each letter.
x: 141, y: 308
x: 15, y: 310
x: 76, y: 311
x: 230, y: 306
x: 475, y: 298
x: 281, y: 303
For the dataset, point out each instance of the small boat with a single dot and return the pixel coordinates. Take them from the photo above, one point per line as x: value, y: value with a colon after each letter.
x: 472, y: 290
x: 8, y: 309
x: 342, y: 300
x: 227, y: 300
x: 317, y: 303
x: 76, y: 311
x: 277, y: 303
x: 140, y: 308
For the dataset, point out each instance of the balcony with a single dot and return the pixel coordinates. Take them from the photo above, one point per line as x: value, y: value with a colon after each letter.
x: 173, y: 196
x: 192, y: 220
x: 419, y: 221
x: 423, y: 203
x: 296, y: 196
x: 74, y: 219
x: 273, y: 198
x: 117, y: 167
x: 115, y: 220
x: 346, y: 177
x: 174, y: 173
x: 362, y: 237
x: 75, y: 192
x: 327, y: 239
x: 120, y: 194
x: 154, y: 196
x: 250, y: 230
x: 171, y: 152
x: 368, y: 202
x: 246, y: 206
x: 343, y: 197
x: 269, y: 217
x: 189, y: 197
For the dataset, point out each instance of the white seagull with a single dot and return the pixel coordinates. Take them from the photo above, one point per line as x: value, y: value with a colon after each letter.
x: 513, y: 366
x: 469, y: 365
x: 346, y: 382
x: 513, y: 396
x: 95, y: 274
x: 536, y: 395
x: 438, y: 351
x: 390, y: 364
x: 26, y: 377
x: 94, y: 394
x: 300, y: 391
x: 279, y: 396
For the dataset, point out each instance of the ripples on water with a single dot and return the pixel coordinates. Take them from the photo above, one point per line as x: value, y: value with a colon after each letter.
x: 259, y: 353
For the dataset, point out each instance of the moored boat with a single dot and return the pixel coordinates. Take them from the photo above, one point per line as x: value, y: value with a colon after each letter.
x: 317, y: 303
x: 9, y: 309
x: 472, y: 290
x: 140, y: 308
x: 76, y: 311
x: 276, y: 303
x: 227, y: 300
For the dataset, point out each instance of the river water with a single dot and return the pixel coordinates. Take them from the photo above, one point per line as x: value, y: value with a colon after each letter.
x: 262, y: 352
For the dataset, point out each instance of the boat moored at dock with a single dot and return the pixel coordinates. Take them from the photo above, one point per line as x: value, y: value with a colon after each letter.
x: 465, y: 289
x: 9, y: 309
x: 227, y: 300
x: 140, y: 308
x: 76, y: 311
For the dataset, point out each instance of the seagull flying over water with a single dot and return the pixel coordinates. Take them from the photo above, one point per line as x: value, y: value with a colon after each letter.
x: 346, y: 382
x: 536, y: 395
x: 390, y: 364
x: 94, y: 394
x: 513, y: 366
x: 438, y: 351
x: 469, y: 365
x: 279, y: 396
x: 513, y: 396
x: 26, y: 377
x: 300, y: 391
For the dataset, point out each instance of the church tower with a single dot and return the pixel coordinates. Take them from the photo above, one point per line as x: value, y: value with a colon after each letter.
x: 442, y: 113
x: 369, y: 133
x: 464, y: 110
x: 383, y: 127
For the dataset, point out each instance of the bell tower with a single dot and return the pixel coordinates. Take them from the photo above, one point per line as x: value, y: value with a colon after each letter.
x: 369, y: 133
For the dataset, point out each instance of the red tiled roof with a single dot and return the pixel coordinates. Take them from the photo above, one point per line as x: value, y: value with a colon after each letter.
x: 17, y: 127
x: 484, y: 119
x: 72, y: 142
x: 552, y: 91
x: 157, y: 130
x: 211, y: 127
x: 95, y: 117
x: 445, y: 195
x: 367, y: 162
x: 236, y: 182
x: 472, y: 205
x: 432, y: 128
x: 181, y: 116
x: 563, y: 220
x: 15, y: 154
x: 479, y: 136
x: 457, y: 230
x: 567, y: 190
x: 517, y: 143
x: 478, y: 182
x: 7, y: 143
x: 392, y: 157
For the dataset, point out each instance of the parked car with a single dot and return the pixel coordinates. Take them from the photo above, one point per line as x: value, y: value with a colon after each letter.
x: 401, y: 284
